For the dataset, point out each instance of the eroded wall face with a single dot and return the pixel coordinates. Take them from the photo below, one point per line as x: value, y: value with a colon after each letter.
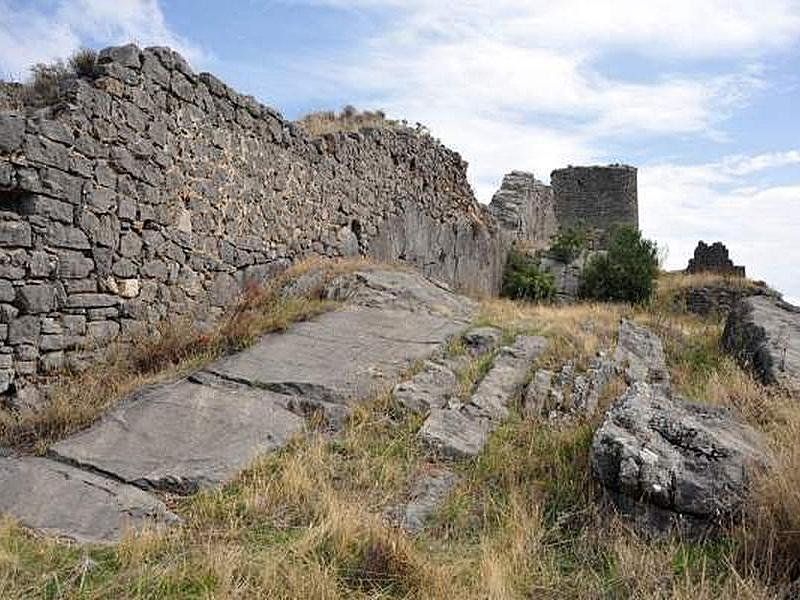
x: 597, y: 197
x: 153, y: 192
x: 524, y: 208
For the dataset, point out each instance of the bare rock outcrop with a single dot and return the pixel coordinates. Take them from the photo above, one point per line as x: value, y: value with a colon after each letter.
x: 763, y: 333
x: 199, y: 432
x: 524, y: 207
x: 460, y: 430
x: 568, y: 391
x: 641, y: 355
x: 62, y: 501
x: 674, y: 464
x: 670, y: 464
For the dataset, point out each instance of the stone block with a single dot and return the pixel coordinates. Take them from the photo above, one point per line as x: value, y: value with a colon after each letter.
x: 26, y: 353
x: 130, y: 244
x: 75, y: 324
x: 80, y: 286
x: 101, y: 314
x: 41, y: 264
x: 102, y: 332
x: 24, y: 330
x: 62, y: 236
x: 15, y: 233
x: 101, y: 199
x: 52, y: 342
x: 126, y: 208
x: 51, y: 326
x: 129, y: 288
x: 92, y: 300
x: 55, y: 131
x: 7, y: 293
x: 34, y: 299
x: 8, y: 312
x: 74, y: 266
x: 12, y: 132
x: 125, y: 268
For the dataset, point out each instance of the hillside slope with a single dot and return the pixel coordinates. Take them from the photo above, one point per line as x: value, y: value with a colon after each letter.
x: 522, y: 518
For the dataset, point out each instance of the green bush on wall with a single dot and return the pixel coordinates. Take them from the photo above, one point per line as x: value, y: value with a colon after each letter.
x: 523, y: 280
x: 568, y: 243
x: 627, y: 272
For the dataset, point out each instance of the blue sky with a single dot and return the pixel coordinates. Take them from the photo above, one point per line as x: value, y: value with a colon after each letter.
x: 702, y: 96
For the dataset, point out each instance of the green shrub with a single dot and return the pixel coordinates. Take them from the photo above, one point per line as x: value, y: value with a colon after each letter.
x: 569, y: 243
x: 627, y: 272
x: 523, y: 280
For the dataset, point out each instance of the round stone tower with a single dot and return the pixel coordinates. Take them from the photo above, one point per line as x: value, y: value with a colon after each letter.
x: 599, y: 198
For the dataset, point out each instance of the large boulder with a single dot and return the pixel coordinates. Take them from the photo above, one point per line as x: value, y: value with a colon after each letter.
x: 674, y: 464
x: 763, y: 333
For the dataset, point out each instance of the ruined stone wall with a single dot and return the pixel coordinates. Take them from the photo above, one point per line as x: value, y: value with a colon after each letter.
x: 713, y: 259
x: 596, y: 197
x: 154, y: 192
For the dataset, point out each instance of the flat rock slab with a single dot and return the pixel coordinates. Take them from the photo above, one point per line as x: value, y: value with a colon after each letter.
x: 431, y: 388
x: 183, y: 436
x: 200, y: 432
x: 428, y: 492
x: 763, y: 333
x: 460, y: 431
x: 342, y: 356
x: 62, y: 501
x: 505, y: 380
x: 640, y: 353
x: 401, y: 290
x: 455, y: 433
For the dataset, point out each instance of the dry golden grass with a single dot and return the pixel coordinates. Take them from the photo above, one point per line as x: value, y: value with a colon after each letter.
x: 673, y: 286
x: 349, y: 119
x: 524, y: 521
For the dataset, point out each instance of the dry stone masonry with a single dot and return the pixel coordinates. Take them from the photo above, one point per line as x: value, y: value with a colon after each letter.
x: 599, y: 198
x: 150, y: 190
x: 713, y: 259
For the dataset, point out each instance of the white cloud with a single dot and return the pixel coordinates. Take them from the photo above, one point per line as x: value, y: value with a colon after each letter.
x: 29, y: 35
x: 514, y: 84
x: 656, y: 27
x: 520, y: 84
x: 680, y: 205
